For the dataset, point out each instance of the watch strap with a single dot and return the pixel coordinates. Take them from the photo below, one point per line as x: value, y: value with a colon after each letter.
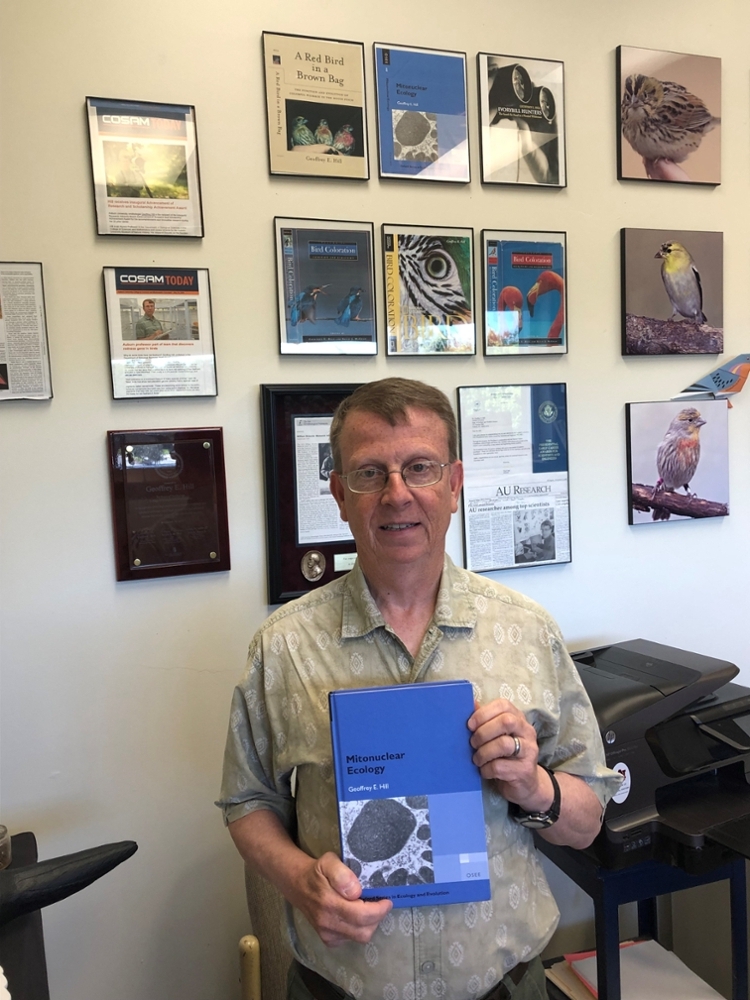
x: 539, y: 820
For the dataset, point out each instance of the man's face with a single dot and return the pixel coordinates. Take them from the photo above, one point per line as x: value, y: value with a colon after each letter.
x: 400, y: 525
x: 148, y: 308
x: 546, y: 530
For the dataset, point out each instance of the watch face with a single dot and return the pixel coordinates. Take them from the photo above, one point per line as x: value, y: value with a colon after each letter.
x: 536, y: 821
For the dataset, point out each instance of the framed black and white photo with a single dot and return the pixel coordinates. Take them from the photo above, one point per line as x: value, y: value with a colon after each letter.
x: 144, y: 161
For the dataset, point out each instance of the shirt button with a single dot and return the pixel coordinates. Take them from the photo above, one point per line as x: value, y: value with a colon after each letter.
x: 427, y: 967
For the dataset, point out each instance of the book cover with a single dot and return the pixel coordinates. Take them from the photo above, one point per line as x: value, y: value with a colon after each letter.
x: 421, y: 101
x: 409, y: 797
x: 525, y: 293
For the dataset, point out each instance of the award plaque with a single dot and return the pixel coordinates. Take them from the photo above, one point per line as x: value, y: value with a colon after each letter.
x: 308, y: 543
x: 169, y: 502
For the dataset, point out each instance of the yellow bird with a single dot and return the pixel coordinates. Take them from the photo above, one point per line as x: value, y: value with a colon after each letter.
x: 682, y: 282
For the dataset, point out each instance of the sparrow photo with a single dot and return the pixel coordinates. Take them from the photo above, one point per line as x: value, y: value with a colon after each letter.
x: 669, y: 116
x: 678, y: 460
x: 672, y: 292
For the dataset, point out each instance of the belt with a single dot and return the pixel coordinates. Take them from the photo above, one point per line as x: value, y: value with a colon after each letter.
x: 323, y: 989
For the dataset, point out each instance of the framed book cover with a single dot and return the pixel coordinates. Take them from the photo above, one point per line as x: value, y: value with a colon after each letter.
x: 678, y: 460
x: 144, y: 161
x: 668, y: 116
x: 524, y: 291
x: 516, y: 495
x: 672, y: 292
x: 161, y: 339
x: 25, y: 371
x: 315, y: 103
x: 429, y: 290
x: 522, y: 120
x: 326, y: 286
x: 411, y: 816
x: 307, y: 542
x: 169, y: 502
x: 421, y: 113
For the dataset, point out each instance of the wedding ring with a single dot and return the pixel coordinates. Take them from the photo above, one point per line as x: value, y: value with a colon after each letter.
x: 517, y: 748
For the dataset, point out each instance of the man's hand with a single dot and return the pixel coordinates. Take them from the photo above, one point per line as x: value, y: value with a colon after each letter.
x: 493, y: 728
x: 323, y: 889
x: 329, y: 894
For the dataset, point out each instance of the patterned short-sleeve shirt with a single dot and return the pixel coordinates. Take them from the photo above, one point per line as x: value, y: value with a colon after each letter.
x: 335, y: 637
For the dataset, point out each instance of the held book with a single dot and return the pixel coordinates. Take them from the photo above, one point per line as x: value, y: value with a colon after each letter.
x: 409, y: 796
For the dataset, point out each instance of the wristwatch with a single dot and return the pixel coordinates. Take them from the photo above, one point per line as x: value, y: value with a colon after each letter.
x: 538, y: 820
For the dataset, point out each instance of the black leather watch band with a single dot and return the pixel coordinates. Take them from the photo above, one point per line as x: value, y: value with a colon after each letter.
x: 539, y: 820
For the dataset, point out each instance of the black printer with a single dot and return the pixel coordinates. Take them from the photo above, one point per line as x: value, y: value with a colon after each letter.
x: 679, y: 732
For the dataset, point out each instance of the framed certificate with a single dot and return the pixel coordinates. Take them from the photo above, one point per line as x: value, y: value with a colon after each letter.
x: 429, y: 290
x: 169, y: 502
x: 315, y: 101
x: 161, y: 339
x: 308, y: 543
x: 144, y: 161
x: 24, y: 349
x: 516, y: 503
x: 326, y: 287
x: 421, y: 103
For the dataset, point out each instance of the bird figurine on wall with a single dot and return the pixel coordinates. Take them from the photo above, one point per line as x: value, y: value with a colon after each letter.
x: 682, y: 282
x: 725, y: 381
x: 548, y: 281
x: 677, y: 457
x: 323, y: 134
x: 349, y: 307
x: 301, y: 134
x: 344, y: 141
x: 303, y: 306
x: 662, y: 120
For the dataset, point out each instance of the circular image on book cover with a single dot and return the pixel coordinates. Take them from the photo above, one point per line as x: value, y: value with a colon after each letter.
x: 388, y: 842
x: 415, y: 136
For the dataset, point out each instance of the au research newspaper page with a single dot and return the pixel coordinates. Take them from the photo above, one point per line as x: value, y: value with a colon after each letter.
x: 24, y: 353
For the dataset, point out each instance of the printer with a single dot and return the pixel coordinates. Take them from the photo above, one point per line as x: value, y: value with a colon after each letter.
x: 678, y: 730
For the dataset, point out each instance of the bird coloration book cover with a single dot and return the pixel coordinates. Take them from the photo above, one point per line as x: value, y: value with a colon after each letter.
x: 678, y: 460
x: 315, y: 100
x: 524, y: 293
x: 522, y: 120
x: 669, y: 116
x: 672, y: 292
x: 410, y: 807
x: 421, y: 104
x: 325, y: 286
x: 429, y: 290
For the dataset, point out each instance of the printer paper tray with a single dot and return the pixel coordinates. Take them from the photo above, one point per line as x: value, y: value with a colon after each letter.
x: 706, y: 809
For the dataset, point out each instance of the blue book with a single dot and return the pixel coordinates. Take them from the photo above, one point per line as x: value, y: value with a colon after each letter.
x: 410, y: 798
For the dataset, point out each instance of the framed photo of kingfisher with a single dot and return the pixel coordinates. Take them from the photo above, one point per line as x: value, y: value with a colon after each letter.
x: 524, y: 291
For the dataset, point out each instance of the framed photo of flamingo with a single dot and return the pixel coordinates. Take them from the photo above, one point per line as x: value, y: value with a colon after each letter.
x: 326, y: 286
x: 669, y: 116
x: 678, y: 460
x: 524, y: 292
x: 522, y: 120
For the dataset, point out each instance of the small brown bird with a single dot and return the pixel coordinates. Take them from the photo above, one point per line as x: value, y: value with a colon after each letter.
x: 662, y: 120
x: 677, y: 456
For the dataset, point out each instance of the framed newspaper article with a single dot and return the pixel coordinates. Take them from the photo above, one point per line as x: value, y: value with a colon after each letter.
x: 514, y: 447
x: 421, y: 113
x: 326, y: 286
x: 524, y: 282
x: 315, y: 102
x: 24, y: 349
x: 144, y: 161
x: 169, y: 502
x: 161, y: 339
x: 298, y: 463
x: 429, y: 290
x: 522, y: 120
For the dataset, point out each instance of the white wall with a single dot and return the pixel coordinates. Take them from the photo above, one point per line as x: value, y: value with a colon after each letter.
x: 114, y: 696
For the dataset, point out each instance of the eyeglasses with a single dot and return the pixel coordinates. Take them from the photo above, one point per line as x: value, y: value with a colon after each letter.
x: 415, y: 475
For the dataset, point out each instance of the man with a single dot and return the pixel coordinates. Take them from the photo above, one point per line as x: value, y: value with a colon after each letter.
x: 148, y: 328
x: 546, y: 548
x: 405, y: 613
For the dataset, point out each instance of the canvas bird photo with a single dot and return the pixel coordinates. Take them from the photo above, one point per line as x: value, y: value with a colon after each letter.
x: 669, y: 116
x: 672, y: 292
x: 678, y: 460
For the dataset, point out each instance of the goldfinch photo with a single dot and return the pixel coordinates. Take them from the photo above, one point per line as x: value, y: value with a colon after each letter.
x: 669, y: 116
x: 672, y: 291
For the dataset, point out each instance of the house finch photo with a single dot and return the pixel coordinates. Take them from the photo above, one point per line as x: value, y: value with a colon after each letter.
x: 678, y: 455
